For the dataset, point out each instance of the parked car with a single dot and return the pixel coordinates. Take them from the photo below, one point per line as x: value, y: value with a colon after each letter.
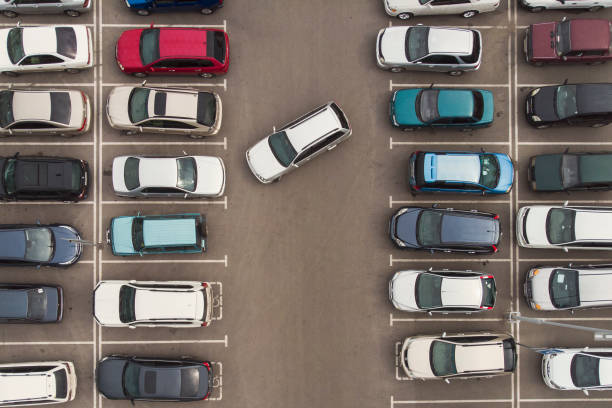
x: 154, y: 379
x: 145, y: 7
x: 445, y: 230
x: 173, y: 50
x: 153, y: 304
x: 185, y: 176
x: 406, y: 9
x: 37, y: 383
x: 461, y: 172
x: 564, y: 227
x: 296, y: 143
x: 570, y: 172
x: 422, y: 48
x: 568, y: 288
x: 39, y: 245
x: 586, y: 369
x: 449, y: 356
x: 442, y: 291
x: 541, y: 5
x: 415, y: 108
x: 578, y: 40
x: 157, y: 234
x: 72, y: 8
x: 30, y: 303
x: 573, y: 104
x: 45, y: 48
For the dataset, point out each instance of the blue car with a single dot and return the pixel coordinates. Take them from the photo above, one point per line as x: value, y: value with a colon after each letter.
x: 461, y: 172
x: 414, y: 108
x: 145, y: 7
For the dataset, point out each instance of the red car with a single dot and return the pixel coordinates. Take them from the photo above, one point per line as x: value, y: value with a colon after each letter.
x: 173, y: 50
x: 579, y: 40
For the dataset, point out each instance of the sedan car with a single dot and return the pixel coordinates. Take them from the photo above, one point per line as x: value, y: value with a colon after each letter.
x: 574, y: 287
x: 421, y: 48
x: 564, y: 227
x: 442, y: 291
x: 541, y: 5
x: 145, y: 7
x: 30, y: 303
x: 445, y: 230
x: 406, y: 9
x: 39, y: 245
x: 164, y: 110
x: 154, y: 379
x: 570, y: 172
x: 45, y: 48
x: 185, y: 176
x: 586, y: 369
x: 461, y: 172
x: 469, y: 355
x: 173, y: 50
x: 72, y: 8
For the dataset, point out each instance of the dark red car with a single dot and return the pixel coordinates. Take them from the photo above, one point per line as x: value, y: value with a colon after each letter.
x: 173, y: 50
x: 579, y: 40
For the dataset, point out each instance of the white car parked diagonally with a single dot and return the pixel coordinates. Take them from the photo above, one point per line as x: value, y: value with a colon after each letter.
x: 406, y: 9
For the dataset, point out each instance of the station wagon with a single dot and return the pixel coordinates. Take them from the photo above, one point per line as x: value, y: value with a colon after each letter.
x: 37, y: 383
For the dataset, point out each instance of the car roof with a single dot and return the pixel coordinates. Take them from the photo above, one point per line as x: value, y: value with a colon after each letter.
x: 605, y: 371
x: 594, y: 98
x: 450, y: 41
x: 12, y: 244
x: 186, y: 42
x: 463, y: 228
x: 595, y: 168
x: 16, y: 387
x: 157, y: 171
x: 13, y: 303
x: 451, y: 167
x: 159, y: 232
x: 461, y: 291
x: 313, y: 128
x: 479, y: 357
x: 456, y: 103
x: 593, y: 225
x: 173, y: 103
x: 43, y: 175
x: 594, y: 285
x: 31, y: 105
x: 170, y: 381
x: 589, y: 34
x: 168, y: 304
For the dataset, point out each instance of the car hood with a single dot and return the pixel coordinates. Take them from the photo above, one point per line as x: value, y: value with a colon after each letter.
x: 539, y: 289
x: 262, y: 161
x: 541, y: 40
x: 106, y: 303
x: 119, y: 174
x: 404, y: 107
x: 559, y: 369
x: 506, y: 172
x: 543, y: 104
x: 417, y: 356
x: 548, y: 172
x: 117, y: 106
x: 66, y: 252
x: 406, y: 226
x: 403, y: 290
x: 211, y: 176
x: 109, y: 377
x: 128, y: 49
x: 536, y: 225
x: 392, y: 45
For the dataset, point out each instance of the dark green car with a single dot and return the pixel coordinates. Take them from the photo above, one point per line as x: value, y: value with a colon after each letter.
x: 571, y: 171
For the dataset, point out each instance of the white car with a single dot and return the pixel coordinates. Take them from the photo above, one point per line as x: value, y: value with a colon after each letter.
x: 541, y: 5
x: 72, y: 8
x: 442, y: 291
x: 583, y: 369
x: 564, y: 227
x: 406, y: 9
x: 184, y: 176
x: 296, y: 143
x: 45, y: 48
x: 153, y: 304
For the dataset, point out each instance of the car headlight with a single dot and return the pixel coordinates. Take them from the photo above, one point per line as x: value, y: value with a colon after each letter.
x: 536, y: 306
x: 399, y: 242
x: 536, y: 118
x: 533, y: 272
x: 120, y: 66
x: 534, y: 92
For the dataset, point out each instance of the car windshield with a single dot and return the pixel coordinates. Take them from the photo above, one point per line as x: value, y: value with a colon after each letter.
x: 488, y: 292
x: 560, y: 226
x: 570, y: 170
x: 416, y: 43
x: 9, y: 177
x: 429, y: 227
x: 427, y: 105
x: 131, y: 173
x: 442, y: 358
x: 585, y: 371
x: 37, y: 304
x: 6, y: 108
x: 137, y: 234
x: 131, y: 377
x: 14, y: 44
x: 149, y: 46
x: 39, y: 244
x: 428, y: 291
x: 127, y: 304
x: 562, y: 37
x: 563, y: 288
x: 282, y: 148
x: 186, y: 174
x: 489, y: 170
x: 565, y: 101
x: 138, y: 106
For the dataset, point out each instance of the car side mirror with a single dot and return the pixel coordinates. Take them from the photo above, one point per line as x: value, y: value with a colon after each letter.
x: 565, y: 203
x: 140, y: 129
x: 132, y: 400
x: 564, y: 58
x: 186, y: 195
x: 38, y: 266
x: 446, y: 380
x: 10, y: 132
x: 565, y: 249
x: 586, y: 392
x: 132, y: 327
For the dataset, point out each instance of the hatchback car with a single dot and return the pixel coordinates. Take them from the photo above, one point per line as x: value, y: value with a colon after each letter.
x: 39, y: 245
x: 157, y: 234
x: 72, y: 8
x: 421, y: 48
x: 469, y: 355
x: 164, y: 110
x: 578, y: 40
x: 45, y: 48
x: 173, y: 50
x: 445, y: 230
x: 586, y: 369
x: 570, y: 172
x: 37, y: 383
x: 154, y: 379
x: 145, y: 7
x: 415, y: 108
x: 564, y: 227
x: 296, y: 143
x: 442, y: 291
x: 541, y: 5
x: 574, y: 287
x: 406, y: 9
x: 185, y: 176
x: 574, y: 104
x: 153, y: 304
x: 30, y: 303
x: 461, y: 172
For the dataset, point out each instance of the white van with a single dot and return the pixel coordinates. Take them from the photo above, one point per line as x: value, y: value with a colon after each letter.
x: 37, y: 383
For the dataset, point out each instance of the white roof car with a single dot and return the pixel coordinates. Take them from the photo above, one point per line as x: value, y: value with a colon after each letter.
x: 153, y: 304
x: 540, y: 5
x: 442, y: 291
x: 45, y: 48
x: 422, y: 48
x: 465, y: 355
x: 184, y: 176
x: 72, y: 8
x: 37, y: 383
x: 564, y: 227
x: 578, y: 369
x: 297, y: 142
x: 406, y: 9
x: 180, y: 111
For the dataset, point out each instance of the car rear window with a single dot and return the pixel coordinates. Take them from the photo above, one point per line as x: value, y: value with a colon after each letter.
x: 131, y: 173
x: 14, y: 44
x: 428, y: 291
x: 585, y: 371
x: 190, y: 382
x: 149, y: 46
x: 127, y: 303
x: 473, y: 57
x: 186, y: 173
x: 207, y: 108
x: 77, y: 173
x: 6, y: 108
x: 60, y: 107
x: 61, y: 384
x: 215, y: 45
x: 509, y: 355
x: 138, y: 104
x: 66, y: 42
x: 37, y: 304
x: 488, y: 291
x: 341, y: 116
x: 563, y: 288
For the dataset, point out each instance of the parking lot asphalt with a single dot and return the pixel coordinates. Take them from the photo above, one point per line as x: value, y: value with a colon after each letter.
x: 301, y: 266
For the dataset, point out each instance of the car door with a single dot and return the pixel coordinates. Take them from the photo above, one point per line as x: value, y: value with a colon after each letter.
x: 166, y: 66
x: 43, y: 6
x: 161, y: 192
x: 449, y: 6
x: 24, y: 6
x: 187, y: 4
x: 438, y: 63
x: 44, y: 62
x: 152, y: 125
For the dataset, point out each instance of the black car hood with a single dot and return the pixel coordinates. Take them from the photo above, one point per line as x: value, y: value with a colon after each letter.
x: 543, y: 104
x: 406, y: 226
x: 109, y: 377
x: 547, y: 172
x: 66, y: 252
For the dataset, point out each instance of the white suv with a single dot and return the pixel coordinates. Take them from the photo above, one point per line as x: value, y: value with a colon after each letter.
x: 405, y: 9
x: 578, y: 369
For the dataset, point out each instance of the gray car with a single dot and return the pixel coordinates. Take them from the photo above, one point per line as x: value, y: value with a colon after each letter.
x: 30, y: 303
x: 72, y: 8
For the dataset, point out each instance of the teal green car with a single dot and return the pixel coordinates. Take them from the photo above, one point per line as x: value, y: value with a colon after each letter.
x: 414, y: 108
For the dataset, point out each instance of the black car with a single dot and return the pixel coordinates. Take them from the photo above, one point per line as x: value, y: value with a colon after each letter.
x: 39, y: 245
x: 571, y: 104
x: 43, y: 178
x: 154, y: 379
x: 446, y: 230
x: 570, y: 171
x: 30, y: 303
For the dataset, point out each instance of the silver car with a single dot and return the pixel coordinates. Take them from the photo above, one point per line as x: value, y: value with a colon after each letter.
x: 72, y: 8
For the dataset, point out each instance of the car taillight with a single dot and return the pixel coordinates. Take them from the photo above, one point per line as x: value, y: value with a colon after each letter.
x: 84, y: 111
x: 67, y: 367
x: 496, y: 217
x: 486, y: 307
x: 204, y: 284
x: 86, y: 3
x: 486, y: 277
x: 89, y: 50
x: 416, y: 188
x: 204, y: 324
x: 494, y: 248
x: 205, y: 364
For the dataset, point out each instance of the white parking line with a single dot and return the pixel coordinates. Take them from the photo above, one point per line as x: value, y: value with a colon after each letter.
x: 575, y: 261
x: 560, y: 202
x: 185, y: 143
x: 466, y: 259
x: 460, y: 85
x: 48, y: 203
x: 171, y: 85
x: 442, y: 143
x: 483, y: 201
x: 217, y: 381
x: 46, y: 143
x: 450, y: 318
x: 223, y: 341
x: 184, y: 261
x: 398, y: 376
x: 222, y: 26
x: 45, y: 343
x: 34, y: 24
x: 472, y: 401
x: 581, y: 142
x: 47, y: 85
x: 169, y: 202
x: 217, y: 300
